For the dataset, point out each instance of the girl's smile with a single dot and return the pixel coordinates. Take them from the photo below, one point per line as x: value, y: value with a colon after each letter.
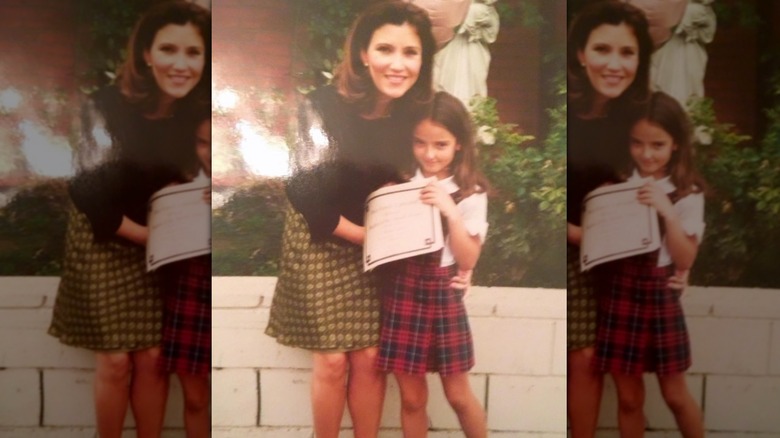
x: 651, y: 149
x: 434, y: 148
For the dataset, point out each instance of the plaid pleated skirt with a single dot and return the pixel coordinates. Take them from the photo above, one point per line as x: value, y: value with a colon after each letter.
x: 581, y: 305
x: 186, y: 338
x: 425, y: 327
x: 641, y: 323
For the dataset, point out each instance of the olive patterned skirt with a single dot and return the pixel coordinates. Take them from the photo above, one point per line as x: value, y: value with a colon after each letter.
x: 323, y: 301
x: 581, y: 305
x: 106, y: 300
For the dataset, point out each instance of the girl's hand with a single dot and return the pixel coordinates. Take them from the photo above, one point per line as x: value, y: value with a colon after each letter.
x: 679, y: 281
x: 434, y: 195
x: 652, y: 195
x: 462, y: 281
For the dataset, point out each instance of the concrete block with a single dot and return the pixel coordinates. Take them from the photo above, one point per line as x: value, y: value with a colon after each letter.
x: 239, y: 292
x: 27, y: 292
x: 745, y: 303
x: 174, y: 408
x: 234, y: 398
x: 743, y: 404
x: 251, y: 347
x: 509, y: 302
x: 34, y: 318
x: 729, y: 346
x: 285, y: 398
x: 255, y: 432
x: 513, y: 346
x: 774, y: 350
x: 34, y: 348
x: 521, y: 403
x: 47, y: 432
x: 20, y: 402
x: 559, y: 349
x: 68, y: 398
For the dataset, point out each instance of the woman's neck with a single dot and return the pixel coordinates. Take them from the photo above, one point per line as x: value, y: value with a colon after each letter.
x: 164, y: 108
x: 380, y: 110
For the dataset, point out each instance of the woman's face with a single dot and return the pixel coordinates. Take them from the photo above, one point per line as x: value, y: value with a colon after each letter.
x: 176, y: 59
x: 610, y: 59
x: 393, y: 59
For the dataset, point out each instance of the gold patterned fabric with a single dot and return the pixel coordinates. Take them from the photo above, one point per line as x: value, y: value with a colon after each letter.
x: 106, y: 300
x: 323, y: 300
x: 581, y: 305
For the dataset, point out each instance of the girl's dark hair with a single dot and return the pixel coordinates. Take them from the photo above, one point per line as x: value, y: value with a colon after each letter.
x: 135, y: 79
x: 353, y: 80
x: 613, y: 12
x: 666, y: 112
x: 448, y: 111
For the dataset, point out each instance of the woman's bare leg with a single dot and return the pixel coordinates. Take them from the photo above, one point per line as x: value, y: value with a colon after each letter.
x: 148, y: 393
x: 584, y: 393
x: 414, y: 401
x: 197, y: 418
x: 462, y: 399
x: 328, y: 393
x: 366, y: 392
x: 112, y: 392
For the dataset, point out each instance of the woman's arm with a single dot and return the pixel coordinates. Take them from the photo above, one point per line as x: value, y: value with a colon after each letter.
x: 133, y: 231
x: 350, y: 231
x: 573, y: 234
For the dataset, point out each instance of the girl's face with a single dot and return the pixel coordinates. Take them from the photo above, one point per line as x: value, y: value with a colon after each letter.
x: 610, y: 59
x: 651, y: 149
x: 203, y: 145
x: 434, y: 148
x: 176, y: 59
x: 393, y: 59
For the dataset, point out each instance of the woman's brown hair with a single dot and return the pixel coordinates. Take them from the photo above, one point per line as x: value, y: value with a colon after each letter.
x: 353, y: 81
x: 448, y: 111
x: 135, y: 79
x: 580, y: 92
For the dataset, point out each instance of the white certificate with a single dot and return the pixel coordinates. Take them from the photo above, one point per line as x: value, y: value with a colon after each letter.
x: 399, y: 225
x: 616, y: 225
x: 179, y: 224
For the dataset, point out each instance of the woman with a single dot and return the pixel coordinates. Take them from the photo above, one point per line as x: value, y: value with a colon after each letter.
x: 354, y: 137
x: 608, y: 61
x: 137, y: 138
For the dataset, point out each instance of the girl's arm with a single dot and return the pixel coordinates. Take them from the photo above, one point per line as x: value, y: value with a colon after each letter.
x: 682, y: 246
x: 350, y: 231
x: 464, y: 246
x: 133, y: 231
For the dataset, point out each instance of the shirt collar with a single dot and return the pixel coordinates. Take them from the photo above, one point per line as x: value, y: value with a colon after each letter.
x: 665, y: 183
x: 448, y: 184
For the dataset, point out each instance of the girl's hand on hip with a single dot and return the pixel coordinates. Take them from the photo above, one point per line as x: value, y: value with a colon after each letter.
x: 434, y: 195
x: 462, y: 281
x: 652, y: 195
x: 679, y: 281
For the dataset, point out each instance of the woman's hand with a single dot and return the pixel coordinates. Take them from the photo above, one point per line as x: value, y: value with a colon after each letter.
x: 207, y: 195
x: 434, y: 195
x: 652, y: 195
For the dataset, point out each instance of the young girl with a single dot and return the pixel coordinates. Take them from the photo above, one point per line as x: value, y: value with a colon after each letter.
x: 186, y: 341
x: 424, y: 323
x: 641, y: 324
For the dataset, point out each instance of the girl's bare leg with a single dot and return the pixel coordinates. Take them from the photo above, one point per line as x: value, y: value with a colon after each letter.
x: 462, y: 399
x: 584, y: 393
x: 148, y: 393
x: 328, y: 393
x: 366, y: 392
x: 685, y: 409
x: 631, y: 401
x: 414, y: 400
x: 197, y: 418
x: 112, y: 392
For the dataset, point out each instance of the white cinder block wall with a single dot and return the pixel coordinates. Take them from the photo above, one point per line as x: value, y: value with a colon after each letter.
x: 520, y: 341
x: 260, y: 389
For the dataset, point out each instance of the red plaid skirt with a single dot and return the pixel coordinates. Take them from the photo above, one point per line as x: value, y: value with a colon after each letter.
x: 424, y: 323
x: 641, y: 325
x: 186, y: 342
